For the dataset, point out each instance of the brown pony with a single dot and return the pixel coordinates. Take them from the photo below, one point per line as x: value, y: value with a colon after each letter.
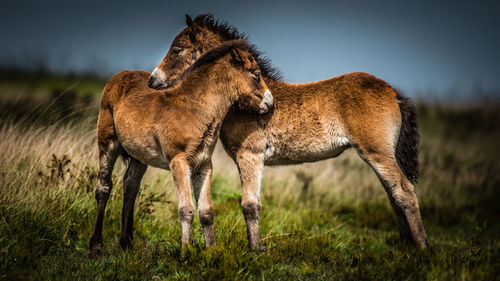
x: 311, y: 122
x: 174, y: 129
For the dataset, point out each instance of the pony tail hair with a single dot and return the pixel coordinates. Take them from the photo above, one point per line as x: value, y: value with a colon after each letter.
x: 407, y: 146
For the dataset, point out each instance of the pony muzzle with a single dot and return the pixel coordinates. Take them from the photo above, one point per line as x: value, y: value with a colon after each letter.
x: 158, y: 79
x: 267, y: 103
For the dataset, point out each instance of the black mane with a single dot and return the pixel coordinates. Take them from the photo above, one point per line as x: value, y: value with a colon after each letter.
x: 229, y: 32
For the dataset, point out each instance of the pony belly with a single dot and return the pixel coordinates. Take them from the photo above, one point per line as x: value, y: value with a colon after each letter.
x: 147, y: 151
x: 299, y: 152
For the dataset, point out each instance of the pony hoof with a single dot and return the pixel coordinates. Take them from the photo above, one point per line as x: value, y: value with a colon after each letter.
x: 183, y: 256
x: 209, y: 244
x: 423, y: 244
x: 186, y: 252
x: 96, y: 252
x: 126, y: 244
x: 257, y: 249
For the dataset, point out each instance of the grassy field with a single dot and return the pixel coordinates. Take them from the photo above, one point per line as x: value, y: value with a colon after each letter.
x: 329, y: 220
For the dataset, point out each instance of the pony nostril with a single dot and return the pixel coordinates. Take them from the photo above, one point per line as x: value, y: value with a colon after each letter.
x: 269, y: 97
x: 151, y: 81
x: 267, y: 103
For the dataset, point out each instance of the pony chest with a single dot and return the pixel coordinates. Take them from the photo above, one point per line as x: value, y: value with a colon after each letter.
x: 201, y: 150
x: 201, y: 156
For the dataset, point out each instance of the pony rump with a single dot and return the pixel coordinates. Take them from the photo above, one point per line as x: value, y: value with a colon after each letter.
x: 407, y: 146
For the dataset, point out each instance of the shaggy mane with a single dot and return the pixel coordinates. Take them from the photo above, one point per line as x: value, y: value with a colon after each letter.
x: 229, y: 32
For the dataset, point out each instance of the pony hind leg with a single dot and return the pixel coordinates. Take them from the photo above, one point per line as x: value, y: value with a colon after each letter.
x: 108, y: 153
x: 401, y: 195
x: 379, y: 127
x: 131, y: 184
x: 201, y: 187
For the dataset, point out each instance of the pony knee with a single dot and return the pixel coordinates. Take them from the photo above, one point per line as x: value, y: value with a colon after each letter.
x: 102, y: 192
x: 206, y: 217
x: 251, y: 210
x: 186, y: 214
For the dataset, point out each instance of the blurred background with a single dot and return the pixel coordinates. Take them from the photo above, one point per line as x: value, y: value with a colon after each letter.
x: 427, y: 49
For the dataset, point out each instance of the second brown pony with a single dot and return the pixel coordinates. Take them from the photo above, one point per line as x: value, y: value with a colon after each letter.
x: 311, y: 122
x: 174, y: 129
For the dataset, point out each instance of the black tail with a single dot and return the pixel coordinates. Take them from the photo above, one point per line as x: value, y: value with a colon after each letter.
x: 407, y: 146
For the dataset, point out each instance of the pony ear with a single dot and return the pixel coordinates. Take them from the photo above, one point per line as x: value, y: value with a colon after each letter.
x: 193, y: 28
x: 189, y: 21
x: 236, y: 56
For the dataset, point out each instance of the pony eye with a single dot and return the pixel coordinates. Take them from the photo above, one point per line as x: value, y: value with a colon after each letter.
x: 194, y: 54
x: 176, y: 50
x: 256, y: 75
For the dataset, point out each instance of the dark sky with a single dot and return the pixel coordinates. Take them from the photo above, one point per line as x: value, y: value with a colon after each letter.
x: 417, y: 46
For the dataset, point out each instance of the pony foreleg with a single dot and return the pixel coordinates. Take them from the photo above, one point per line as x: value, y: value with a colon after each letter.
x: 131, y: 184
x: 181, y: 175
x: 250, y: 166
x: 201, y: 187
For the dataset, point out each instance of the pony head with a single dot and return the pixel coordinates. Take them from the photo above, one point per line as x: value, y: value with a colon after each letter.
x: 200, y: 35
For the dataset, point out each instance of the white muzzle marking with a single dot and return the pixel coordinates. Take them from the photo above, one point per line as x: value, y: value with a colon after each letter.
x: 267, y: 102
x: 159, y: 78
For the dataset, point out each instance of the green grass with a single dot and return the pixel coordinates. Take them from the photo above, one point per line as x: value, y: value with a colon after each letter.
x: 323, y: 221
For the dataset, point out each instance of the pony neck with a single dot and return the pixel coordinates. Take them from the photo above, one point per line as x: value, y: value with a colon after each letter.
x: 210, y: 88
